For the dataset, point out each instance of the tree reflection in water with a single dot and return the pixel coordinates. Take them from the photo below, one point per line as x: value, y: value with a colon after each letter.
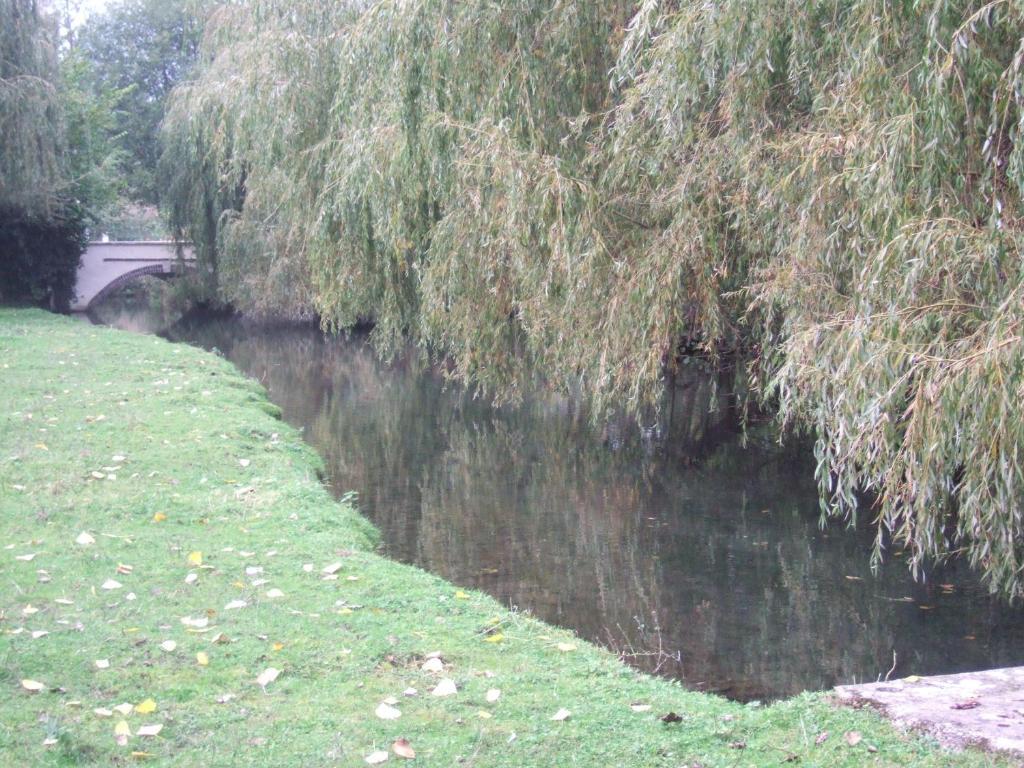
x: 691, y: 555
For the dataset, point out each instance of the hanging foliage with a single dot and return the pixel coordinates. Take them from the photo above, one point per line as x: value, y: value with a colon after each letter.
x: 41, y: 230
x: 829, y: 189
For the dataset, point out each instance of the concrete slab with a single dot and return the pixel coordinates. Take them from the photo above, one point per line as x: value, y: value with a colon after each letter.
x: 984, y: 709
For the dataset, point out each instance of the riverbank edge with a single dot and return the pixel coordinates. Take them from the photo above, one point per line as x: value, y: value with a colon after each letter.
x: 208, y: 473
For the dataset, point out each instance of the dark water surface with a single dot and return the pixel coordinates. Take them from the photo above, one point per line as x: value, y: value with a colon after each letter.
x: 691, y: 555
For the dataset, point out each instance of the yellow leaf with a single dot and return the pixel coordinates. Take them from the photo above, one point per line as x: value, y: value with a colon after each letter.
x: 122, y: 729
x: 460, y: 595
x: 33, y: 685
x: 278, y: 646
x: 195, y: 558
x: 146, y: 707
x: 202, y: 659
x: 150, y: 730
x: 159, y: 517
x: 566, y: 647
x: 912, y: 679
x: 497, y: 637
x: 344, y: 611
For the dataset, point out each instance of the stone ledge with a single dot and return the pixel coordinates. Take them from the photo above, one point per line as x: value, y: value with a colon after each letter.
x: 983, y: 709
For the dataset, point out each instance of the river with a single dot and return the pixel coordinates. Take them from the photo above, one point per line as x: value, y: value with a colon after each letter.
x: 692, y: 553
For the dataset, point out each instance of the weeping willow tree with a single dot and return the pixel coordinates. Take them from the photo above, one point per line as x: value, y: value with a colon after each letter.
x: 40, y: 222
x: 829, y: 189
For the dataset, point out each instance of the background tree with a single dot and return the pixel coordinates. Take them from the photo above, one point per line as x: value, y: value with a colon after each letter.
x: 41, y: 216
x: 139, y: 50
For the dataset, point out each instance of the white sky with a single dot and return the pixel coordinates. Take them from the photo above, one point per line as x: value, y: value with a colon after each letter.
x: 92, y: 6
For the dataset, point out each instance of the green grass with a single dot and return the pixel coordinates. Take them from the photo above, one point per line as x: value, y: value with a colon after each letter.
x: 182, y: 423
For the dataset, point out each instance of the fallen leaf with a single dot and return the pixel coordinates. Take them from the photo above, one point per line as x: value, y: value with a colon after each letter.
x: 224, y: 698
x: 235, y: 604
x: 122, y: 732
x: 102, y: 664
x: 146, y: 707
x: 853, y: 738
x: 402, y: 748
x: 192, y: 578
x: 445, y: 687
x: 460, y: 595
x: 150, y: 730
x: 195, y: 558
x: 102, y: 712
x: 26, y: 558
x: 410, y: 692
x: 637, y: 707
x: 566, y: 647
x: 967, y: 704
x: 244, y: 462
x: 483, y: 714
x: 33, y: 685
x: 124, y: 709
x: 201, y: 623
x: 272, y: 593
x: 387, y: 712
x: 562, y: 714
x: 497, y: 637
x: 168, y: 645
x: 39, y: 633
x: 493, y: 695
x: 376, y: 758
x: 111, y: 584
x: 330, y: 570
x: 220, y: 639
x: 159, y: 517
x: 433, y: 665
x: 84, y: 539
x: 202, y: 659
x: 912, y: 679
x: 267, y: 676
x: 277, y: 646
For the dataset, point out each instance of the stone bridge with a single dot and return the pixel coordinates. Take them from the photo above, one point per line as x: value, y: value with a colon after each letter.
x: 105, y: 267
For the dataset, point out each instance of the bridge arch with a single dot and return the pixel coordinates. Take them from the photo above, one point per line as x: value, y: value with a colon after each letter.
x: 105, y: 267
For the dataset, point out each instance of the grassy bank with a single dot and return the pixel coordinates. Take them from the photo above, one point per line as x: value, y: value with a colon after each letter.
x: 165, y: 541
